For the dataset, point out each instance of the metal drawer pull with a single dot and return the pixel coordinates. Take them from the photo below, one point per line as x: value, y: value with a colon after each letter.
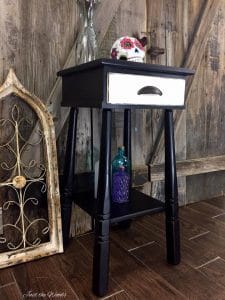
x: 150, y: 90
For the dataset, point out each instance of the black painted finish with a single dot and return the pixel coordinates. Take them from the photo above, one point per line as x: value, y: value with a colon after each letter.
x: 140, y: 204
x: 171, y: 193
x: 68, y: 175
x: 127, y: 137
x: 86, y: 85
x: 85, y: 89
x: 102, y: 217
x: 128, y: 154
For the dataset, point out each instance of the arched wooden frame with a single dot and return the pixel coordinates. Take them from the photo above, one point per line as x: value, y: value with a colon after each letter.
x: 12, y: 86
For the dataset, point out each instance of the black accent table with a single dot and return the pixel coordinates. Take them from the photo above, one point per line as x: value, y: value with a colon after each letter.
x: 107, y: 84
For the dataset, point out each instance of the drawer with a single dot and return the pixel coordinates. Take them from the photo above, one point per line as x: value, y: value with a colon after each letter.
x: 131, y: 89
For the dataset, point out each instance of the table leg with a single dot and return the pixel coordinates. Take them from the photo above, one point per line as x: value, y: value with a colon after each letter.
x: 102, y: 217
x: 127, y: 135
x: 171, y: 193
x: 68, y: 175
x: 127, y: 144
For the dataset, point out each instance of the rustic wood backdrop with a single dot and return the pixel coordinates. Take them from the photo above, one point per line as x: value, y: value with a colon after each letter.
x: 38, y: 38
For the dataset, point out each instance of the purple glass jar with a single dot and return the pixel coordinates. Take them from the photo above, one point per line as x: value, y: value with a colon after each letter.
x: 120, y: 177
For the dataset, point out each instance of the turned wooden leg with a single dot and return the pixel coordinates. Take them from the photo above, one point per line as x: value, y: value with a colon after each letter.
x: 68, y: 175
x: 102, y: 217
x: 171, y: 193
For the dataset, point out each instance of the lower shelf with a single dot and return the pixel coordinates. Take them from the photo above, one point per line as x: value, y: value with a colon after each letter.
x: 140, y: 204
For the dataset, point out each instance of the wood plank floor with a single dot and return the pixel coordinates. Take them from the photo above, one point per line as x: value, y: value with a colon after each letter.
x: 138, y: 268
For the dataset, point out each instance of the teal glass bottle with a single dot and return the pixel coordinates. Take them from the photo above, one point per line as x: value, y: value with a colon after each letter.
x: 120, y: 177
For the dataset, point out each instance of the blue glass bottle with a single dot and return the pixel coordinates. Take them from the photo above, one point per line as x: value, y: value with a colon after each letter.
x: 120, y: 177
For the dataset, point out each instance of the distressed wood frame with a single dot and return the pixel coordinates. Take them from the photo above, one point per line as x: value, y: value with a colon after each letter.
x: 12, y: 86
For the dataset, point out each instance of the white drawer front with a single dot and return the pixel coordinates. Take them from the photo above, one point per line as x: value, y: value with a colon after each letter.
x: 159, y: 91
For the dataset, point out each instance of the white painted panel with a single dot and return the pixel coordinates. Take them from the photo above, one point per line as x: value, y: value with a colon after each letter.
x: 123, y: 89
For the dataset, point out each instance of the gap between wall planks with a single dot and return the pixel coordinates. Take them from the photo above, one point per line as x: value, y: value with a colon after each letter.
x: 104, y: 15
x: 197, y: 45
x: 192, y: 61
x: 60, y: 114
x: 168, y: 27
x: 129, y: 18
x: 35, y: 40
x: 80, y: 221
x: 172, y: 46
x: 102, y: 20
x: 161, y: 30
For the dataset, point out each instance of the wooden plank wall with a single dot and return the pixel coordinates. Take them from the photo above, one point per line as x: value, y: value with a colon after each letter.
x: 168, y: 29
x: 37, y: 36
x: 35, y: 40
x: 129, y: 19
x: 206, y: 110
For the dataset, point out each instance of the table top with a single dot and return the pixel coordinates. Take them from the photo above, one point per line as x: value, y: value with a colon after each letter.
x: 128, y: 65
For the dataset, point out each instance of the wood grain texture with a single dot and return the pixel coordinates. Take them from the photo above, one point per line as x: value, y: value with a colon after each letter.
x: 190, y: 60
x: 212, y: 225
x: 169, y: 27
x: 142, y: 272
x: 105, y: 12
x: 187, y: 280
x: 218, y: 202
x: 133, y: 237
x: 102, y: 21
x: 197, y: 42
x: 42, y: 277
x: 148, y: 284
x: 119, y: 296
x: 156, y: 30
x: 207, y: 114
x: 210, y: 210
x: 36, y: 40
x: 129, y: 20
x: 215, y: 271
x: 76, y: 266
x: 10, y: 292
x: 206, y: 118
x: 6, y: 277
x: 193, y: 252
x: 36, y: 47
x: 190, y: 167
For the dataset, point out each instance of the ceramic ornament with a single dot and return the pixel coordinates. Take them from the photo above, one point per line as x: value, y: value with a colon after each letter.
x: 128, y: 48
